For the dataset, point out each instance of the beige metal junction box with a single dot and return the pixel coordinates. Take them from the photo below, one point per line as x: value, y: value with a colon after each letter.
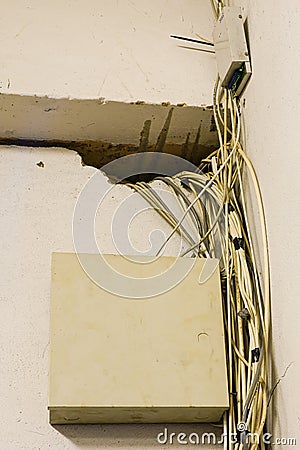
x: 117, y: 359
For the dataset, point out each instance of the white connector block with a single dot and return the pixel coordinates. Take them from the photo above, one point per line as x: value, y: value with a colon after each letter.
x: 231, y: 49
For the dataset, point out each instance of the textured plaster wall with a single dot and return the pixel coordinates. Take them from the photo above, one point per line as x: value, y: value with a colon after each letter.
x: 37, y: 203
x: 74, y: 70
x: 116, y: 50
x: 36, y: 211
x: 56, y: 58
x: 271, y: 117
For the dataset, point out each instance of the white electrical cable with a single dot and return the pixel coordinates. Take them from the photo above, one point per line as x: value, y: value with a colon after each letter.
x: 214, y: 224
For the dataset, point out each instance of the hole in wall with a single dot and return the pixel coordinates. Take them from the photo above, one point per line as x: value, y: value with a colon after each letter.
x: 161, y: 132
x: 97, y: 154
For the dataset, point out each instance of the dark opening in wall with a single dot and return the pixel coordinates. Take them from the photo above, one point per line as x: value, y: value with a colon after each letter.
x: 184, y: 131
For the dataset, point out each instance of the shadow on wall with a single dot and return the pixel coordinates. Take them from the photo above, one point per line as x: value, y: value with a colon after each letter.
x: 102, y: 131
x: 141, y: 435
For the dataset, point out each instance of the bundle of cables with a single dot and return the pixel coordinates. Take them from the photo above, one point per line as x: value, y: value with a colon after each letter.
x: 212, y: 200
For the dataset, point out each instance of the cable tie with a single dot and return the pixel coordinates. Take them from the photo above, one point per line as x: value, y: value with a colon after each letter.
x: 230, y: 208
x: 238, y: 243
x: 255, y: 354
x: 244, y: 314
x: 184, y: 184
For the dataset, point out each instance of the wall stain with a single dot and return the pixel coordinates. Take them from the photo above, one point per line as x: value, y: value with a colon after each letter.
x: 99, y: 153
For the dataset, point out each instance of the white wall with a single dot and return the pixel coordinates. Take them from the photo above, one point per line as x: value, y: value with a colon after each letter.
x: 36, y: 212
x: 37, y: 204
x: 111, y: 54
x: 272, y: 142
x: 116, y: 50
x: 73, y: 70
